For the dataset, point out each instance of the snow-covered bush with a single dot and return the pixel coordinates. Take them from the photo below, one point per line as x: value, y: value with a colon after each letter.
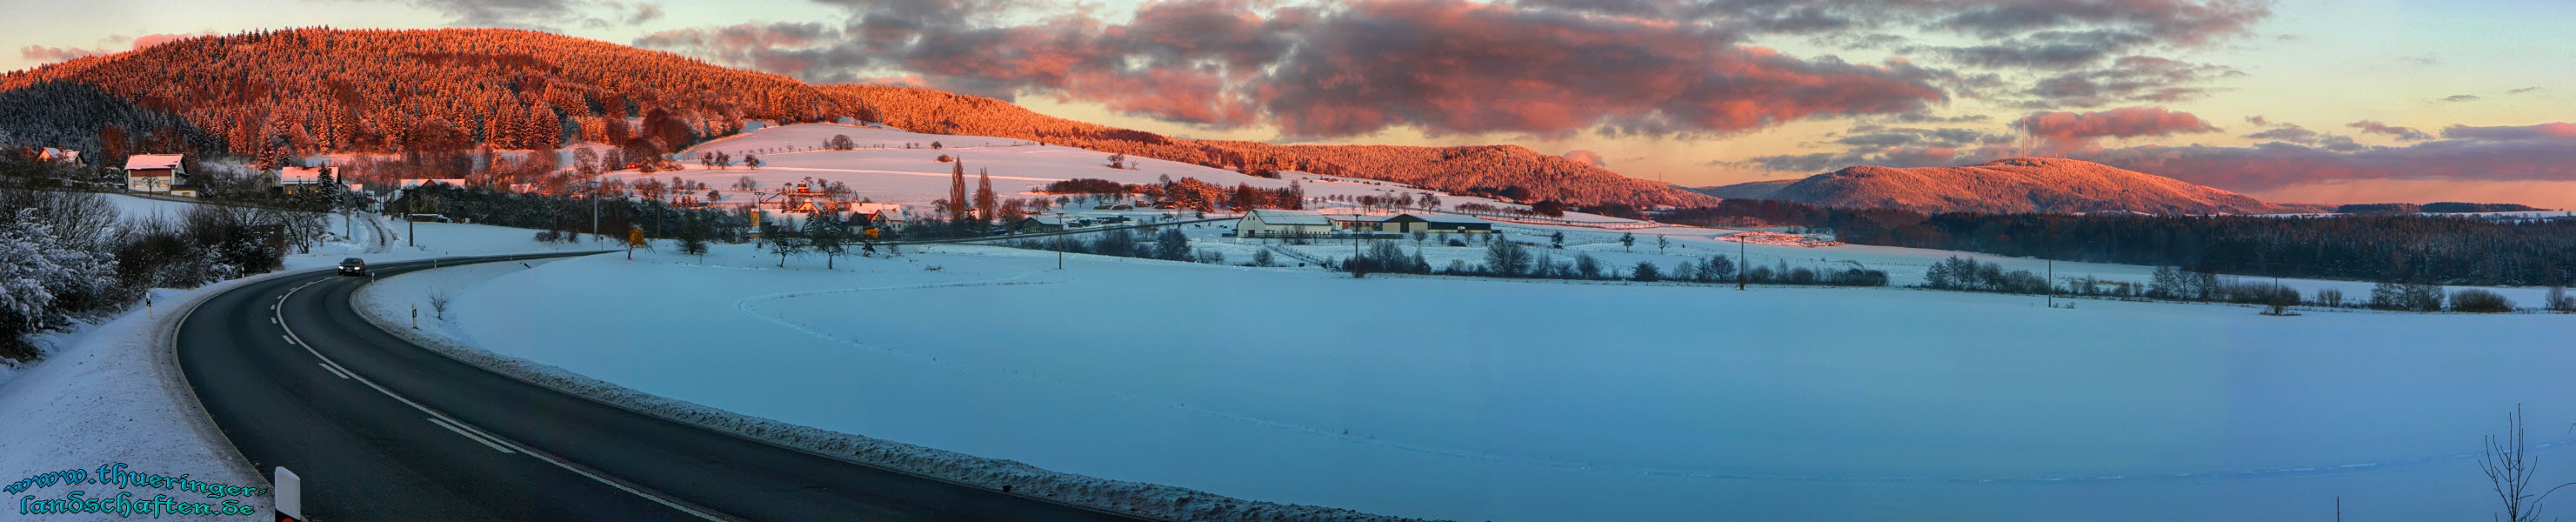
x: 48, y: 277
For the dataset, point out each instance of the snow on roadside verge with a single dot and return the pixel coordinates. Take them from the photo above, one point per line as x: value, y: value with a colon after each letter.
x: 113, y: 394
x: 378, y: 304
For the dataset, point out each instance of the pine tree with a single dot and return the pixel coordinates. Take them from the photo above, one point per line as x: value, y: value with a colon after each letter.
x: 545, y: 128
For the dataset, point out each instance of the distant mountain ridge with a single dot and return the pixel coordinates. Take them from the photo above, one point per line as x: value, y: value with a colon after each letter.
x: 2011, y: 185
x: 1746, y: 190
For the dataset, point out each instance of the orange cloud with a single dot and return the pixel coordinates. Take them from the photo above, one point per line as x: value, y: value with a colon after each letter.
x: 2066, y: 131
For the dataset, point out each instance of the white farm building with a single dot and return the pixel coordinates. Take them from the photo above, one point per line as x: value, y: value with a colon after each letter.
x: 1283, y: 223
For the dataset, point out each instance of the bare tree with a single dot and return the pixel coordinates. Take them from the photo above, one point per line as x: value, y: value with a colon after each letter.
x: 438, y: 303
x: 2509, y: 466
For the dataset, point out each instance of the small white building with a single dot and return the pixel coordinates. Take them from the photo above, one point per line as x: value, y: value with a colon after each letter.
x: 1283, y: 223
x: 159, y: 174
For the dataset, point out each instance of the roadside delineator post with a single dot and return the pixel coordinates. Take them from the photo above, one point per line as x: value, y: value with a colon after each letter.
x: 289, y: 494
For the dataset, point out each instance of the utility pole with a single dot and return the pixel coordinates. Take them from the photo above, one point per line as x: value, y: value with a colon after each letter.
x: 1740, y: 262
x: 594, y: 213
x: 2052, y: 283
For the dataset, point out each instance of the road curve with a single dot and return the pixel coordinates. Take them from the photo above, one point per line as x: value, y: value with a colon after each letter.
x: 381, y: 429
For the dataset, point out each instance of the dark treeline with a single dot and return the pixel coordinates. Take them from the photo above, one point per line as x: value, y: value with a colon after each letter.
x: 106, y: 128
x: 1510, y: 259
x: 1191, y: 194
x: 567, y: 216
x: 2403, y: 248
x: 1969, y: 275
x: 1169, y: 244
x: 2445, y: 206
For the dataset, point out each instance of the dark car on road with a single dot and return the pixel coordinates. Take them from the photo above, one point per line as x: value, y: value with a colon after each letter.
x: 353, y: 267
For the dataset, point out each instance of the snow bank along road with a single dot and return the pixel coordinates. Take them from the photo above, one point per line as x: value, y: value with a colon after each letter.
x: 381, y: 429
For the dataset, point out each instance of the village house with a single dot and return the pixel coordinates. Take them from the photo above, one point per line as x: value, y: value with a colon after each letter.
x: 416, y: 183
x: 58, y: 156
x: 300, y: 180
x: 1038, y: 224
x: 884, y: 215
x: 159, y: 174
x: 1283, y: 223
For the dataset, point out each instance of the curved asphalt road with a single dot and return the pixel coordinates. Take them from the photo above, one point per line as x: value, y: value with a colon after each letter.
x: 410, y: 434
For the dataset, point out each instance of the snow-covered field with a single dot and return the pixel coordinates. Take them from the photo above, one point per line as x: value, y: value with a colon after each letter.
x: 1493, y: 400
x: 882, y: 170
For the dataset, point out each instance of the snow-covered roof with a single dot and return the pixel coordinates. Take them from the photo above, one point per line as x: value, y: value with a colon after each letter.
x: 153, y: 161
x: 1450, y: 218
x: 1291, y: 217
x: 882, y: 210
x: 299, y: 175
x: 1357, y: 218
x: 409, y: 183
x: 1047, y: 220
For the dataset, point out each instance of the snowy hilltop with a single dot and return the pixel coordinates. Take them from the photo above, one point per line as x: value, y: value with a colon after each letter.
x: 2012, y: 185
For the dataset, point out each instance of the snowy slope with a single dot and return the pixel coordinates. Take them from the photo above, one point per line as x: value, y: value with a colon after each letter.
x: 1481, y: 400
x: 882, y: 170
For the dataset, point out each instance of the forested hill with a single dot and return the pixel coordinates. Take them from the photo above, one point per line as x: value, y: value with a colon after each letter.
x: 2019, y: 185
x: 1504, y: 170
x: 273, y: 95
x: 305, y: 91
